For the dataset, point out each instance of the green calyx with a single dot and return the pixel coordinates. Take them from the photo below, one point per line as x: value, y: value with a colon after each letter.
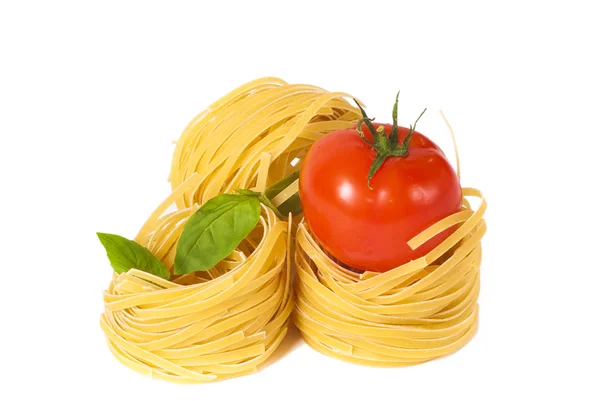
x: 382, y: 144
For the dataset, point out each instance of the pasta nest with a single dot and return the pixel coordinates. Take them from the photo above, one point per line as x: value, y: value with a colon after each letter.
x: 424, y: 309
x: 204, y: 327
x: 227, y: 321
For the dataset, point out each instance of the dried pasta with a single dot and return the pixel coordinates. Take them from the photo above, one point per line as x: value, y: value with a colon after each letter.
x: 227, y: 321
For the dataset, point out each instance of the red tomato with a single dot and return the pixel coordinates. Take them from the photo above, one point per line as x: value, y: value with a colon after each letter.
x: 365, y: 228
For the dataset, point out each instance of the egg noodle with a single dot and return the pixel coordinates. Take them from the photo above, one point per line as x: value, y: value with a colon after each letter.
x: 226, y: 321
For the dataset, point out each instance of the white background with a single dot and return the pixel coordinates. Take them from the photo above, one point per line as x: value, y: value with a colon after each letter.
x: 91, y: 97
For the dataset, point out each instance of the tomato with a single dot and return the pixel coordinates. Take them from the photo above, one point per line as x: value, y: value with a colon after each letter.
x: 368, y: 227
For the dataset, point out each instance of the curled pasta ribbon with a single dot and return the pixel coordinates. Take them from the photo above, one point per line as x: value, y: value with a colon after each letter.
x: 226, y: 321
x: 424, y: 309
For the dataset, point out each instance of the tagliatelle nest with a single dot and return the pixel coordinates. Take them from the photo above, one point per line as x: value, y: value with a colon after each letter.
x: 419, y: 311
x: 200, y: 329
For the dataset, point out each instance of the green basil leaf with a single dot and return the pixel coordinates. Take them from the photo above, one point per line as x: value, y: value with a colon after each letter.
x: 247, y: 192
x: 214, y: 231
x: 292, y: 205
x: 125, y: 254
x: 282, y: 184
x: 261, y: 198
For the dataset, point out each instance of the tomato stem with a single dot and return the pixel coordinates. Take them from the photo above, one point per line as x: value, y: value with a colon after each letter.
x: 379, y: 159
x: 383, y: 145
x: 359, y: 128
x: 403, y: 149
x: 394, y: 133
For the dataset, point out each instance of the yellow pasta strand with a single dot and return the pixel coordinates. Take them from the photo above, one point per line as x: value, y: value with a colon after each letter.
x: 225, y: 322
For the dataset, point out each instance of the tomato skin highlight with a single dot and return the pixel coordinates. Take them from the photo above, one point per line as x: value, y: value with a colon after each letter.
x: 368, y: 229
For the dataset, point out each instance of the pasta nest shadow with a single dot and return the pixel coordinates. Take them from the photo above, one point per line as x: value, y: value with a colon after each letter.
x: 422, y: 310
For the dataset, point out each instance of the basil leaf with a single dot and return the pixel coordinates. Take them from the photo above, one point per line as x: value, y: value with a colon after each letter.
x: 125, y: 254
x: 262, y: 199
x: 247, y: 192
x: 282, y: 184
x: 214, y: 231
x: 292, y: 204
